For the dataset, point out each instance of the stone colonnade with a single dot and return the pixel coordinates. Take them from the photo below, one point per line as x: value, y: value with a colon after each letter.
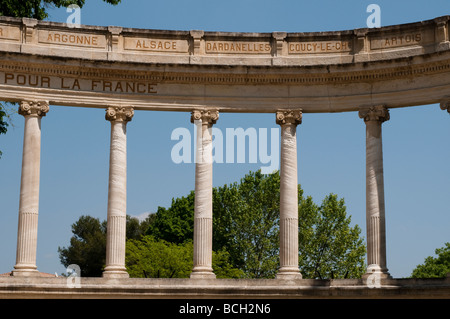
x: 204, y: 119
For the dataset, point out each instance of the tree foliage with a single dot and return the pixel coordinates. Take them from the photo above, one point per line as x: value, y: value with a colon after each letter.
x: 176, y: 223
x: 135, y: 228
x: 434, y: 267
x: 87, y: 247
x: 152, y: 258
x: 246, y: 225
x: 245, y: 236
x: 329, y: 247
x: 37, y: 9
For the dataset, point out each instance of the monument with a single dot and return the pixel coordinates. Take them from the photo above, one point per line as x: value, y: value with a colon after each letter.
x: 123, y: 70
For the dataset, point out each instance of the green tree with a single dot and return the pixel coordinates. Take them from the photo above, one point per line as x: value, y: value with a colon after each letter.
x: 246, y: 226
x: 246, y: 217
x: 176, y: 223
x: 136, y: 228
x: 87, y: 247
x: 153, y: 258
x: 434, y: 267
x: 37, y: 9
x: 329, y: 247
x: 245, y: 236
x: 222, y: 266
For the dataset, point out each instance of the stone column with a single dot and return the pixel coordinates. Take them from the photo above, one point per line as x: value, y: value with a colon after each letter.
x: 203, y: 119
x: 29, y: 189
x: 375, y: 210
x: 288, y: 120
x: 117, y: 193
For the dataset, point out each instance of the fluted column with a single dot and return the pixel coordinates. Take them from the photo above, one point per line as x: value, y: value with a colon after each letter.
x: 288, y: 120
x: 29, y: 189
x: 203, y: 119
x: 375, y: 209
x: 117, y: 193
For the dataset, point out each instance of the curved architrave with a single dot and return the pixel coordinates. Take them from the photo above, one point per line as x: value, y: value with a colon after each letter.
x: 403, y: 65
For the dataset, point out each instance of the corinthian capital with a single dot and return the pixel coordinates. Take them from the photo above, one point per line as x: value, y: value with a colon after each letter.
x: 445, y: 105
x: 207, y: 116
x: 374, y: 113
x: 119, y: 114
x: 289, y: 117
x: 34, y: 108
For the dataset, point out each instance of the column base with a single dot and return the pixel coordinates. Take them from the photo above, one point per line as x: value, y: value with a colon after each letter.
x: 376, y: 270
x: 25, y: 272
x: 202, y: 273
x: 289, y: 273
x: 374, y: 275
x: 115, y: 273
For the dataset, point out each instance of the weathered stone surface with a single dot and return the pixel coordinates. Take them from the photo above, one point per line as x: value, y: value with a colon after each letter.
x: 288, y: 120
x: 57, y: 288
x: 32, y: 111
x: 117, y: 193
x: 233, y: 72
x: 203, y: 208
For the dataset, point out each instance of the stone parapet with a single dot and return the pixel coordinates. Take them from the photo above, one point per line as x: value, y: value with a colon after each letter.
x: 98, y: 288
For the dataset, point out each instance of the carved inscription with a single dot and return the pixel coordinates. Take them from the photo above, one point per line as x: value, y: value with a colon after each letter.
x: 399, y: 40
x: 319, y: 47
x: 156, y: 45
x: 78, y: 84
x: 232, y: 47
x: 10, y: 33
x: 74, y: 39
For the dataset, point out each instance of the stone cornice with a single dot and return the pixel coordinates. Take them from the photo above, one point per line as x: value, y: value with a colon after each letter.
x: 290, y: 117
x: 197, y: 47
x: 34, y: 108
x: 377, y: 113
x: 119, y: 114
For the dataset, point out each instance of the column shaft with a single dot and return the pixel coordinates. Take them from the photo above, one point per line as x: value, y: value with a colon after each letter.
x: 117, y: 194
x: 288, y: 195
x: 203, y: 194
x: 29, y: 189
x: 375, y: 204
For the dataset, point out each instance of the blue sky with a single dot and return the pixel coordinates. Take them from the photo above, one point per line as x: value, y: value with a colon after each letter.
x: 331, y: 147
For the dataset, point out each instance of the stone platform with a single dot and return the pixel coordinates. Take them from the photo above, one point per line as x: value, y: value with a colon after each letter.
x: 148, y: 288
